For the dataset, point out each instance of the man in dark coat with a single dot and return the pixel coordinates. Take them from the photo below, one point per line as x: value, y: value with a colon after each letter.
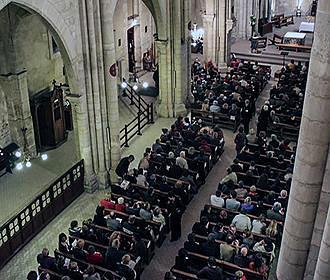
x: 123, y: 165
x: 211, y: 271
x: 175, y: 224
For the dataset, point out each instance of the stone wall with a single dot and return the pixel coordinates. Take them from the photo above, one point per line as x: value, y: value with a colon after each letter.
x: 5, y: 137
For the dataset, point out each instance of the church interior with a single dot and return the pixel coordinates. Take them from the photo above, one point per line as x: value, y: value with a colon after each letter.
x: 159, y: 139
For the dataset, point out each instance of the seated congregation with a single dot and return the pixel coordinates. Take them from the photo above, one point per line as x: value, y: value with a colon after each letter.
x: 240, y: 229
x: 120, y: 240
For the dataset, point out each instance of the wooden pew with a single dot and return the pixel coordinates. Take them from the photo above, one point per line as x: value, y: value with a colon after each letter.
x: 277, y: 39
x: 294, y: 47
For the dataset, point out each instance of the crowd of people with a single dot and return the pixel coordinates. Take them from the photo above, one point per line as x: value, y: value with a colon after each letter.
x: 239, y: 229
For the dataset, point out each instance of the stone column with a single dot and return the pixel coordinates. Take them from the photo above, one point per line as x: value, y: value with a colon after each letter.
x: 311, y: 158
x: 102, y: 173
x: 221, y: 13
x: 110, y: 84
x: 209, y: 37
x: 82, y: 139
x: 322, y: 271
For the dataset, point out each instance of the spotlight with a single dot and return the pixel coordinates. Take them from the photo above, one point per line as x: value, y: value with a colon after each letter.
x: 44, y: 156
x: 135, y: 87
x: 18, y: 154
x: 28, y: 164
x: 19, y: 166
x: 123, y: 85
x: 145, y: 85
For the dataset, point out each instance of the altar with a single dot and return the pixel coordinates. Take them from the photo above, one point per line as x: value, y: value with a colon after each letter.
x: 294, y: 38
x: 307, y: 27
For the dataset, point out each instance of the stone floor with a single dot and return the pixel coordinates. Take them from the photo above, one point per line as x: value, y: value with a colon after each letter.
x: 83, y: 208
x: 20, y: 188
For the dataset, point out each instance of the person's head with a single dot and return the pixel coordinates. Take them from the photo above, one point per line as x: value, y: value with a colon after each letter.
x: 32, y: 275
x: 73, y: 224
x: 126, y: 259
x: 241, y: 129
x: 292, y: 61
x: 204, y: 220
x: 212, y: 262
x: 223, y: 214
x: 277, y: 206
x: 121, y: 200
x: 244, y: 251
x: 91, y: 250
x: 45, y: 252
x: 229, y: 170
x: 253, y: 189
x: 247, y: 200
x: 171, y: 155
x: 131, y: 219
x: 239, y: 274
x: 73, y: 266
x: 131, y: 158
x: 156, y: 211
x: 230, y: 239
x: 115, y: 244
x: 80, y: 243
x: 90, y: 270
x: 44, y: 276
x: 218, y: 193
x: 233, y: 194
x: 100, y: 210
x: 62, y: 237
x: 284, y: 193
x: 183, y: 154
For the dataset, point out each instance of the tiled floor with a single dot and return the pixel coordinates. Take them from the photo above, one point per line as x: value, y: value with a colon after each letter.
x: 18, y: 189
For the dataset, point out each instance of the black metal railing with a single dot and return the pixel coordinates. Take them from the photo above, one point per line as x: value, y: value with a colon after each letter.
x: 20, y: 229
x: 145, y: 116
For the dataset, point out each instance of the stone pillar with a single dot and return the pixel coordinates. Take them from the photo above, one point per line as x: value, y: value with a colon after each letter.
x: 209, y: 37
x: 311, y: 158
x: 110, y: 85
x: 102, y: 173
x: 82, y: 139
x: 322, y: 271
x: 320, y: 221
x: 137, y: 35
x: 18, y: 105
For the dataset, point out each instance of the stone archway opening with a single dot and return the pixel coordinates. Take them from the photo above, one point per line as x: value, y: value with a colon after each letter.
x: 34, y: 116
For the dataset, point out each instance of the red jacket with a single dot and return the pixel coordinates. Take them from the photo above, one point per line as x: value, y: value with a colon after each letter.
x: 107, y: 204
x: 96, y: 258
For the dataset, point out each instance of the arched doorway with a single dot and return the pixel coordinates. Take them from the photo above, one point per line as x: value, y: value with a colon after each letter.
x: 33, y: 52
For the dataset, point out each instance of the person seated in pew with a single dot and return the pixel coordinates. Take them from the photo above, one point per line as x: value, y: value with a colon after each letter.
x: 188, y: 178
x: 91, y: 274
x: 270, y: 198
x: 253, y: 168
x: 242, y: 221
x: 228, y: 250
x: 145, y: 212
x: 141, y: 178
x: 236, y: 166
x: 46, y: 261
x: 265, y: 246
x: 130, y: 226
x: 251, y: 137
x: 126, y: 268
x: 280, y: 163
x: 259, y: 224
x: 231, y: 203
x: 211, y: 271
x: 63, y: 245
x: 120, y: 205
x: 262, y: 182
x: 284, y: 146
x: 74, y: 272
x: 149, y: 196
x: 99, y: 217
x: 283, y: 198
x: 231, y: 176
x: 209, y: 247
x: 133, y: 208
x: 182, y: 262
x: 138, y: 248
x: 192, y: 245
x: 288, y: 174
x: 274, y: 141
x: 93, y: 256
x: 276, y: 213
x: 253, y: 193
x: 112, y: 222
x: 78, y: 250
x: 215, y: 108
x: 239, y: 275
x: 113, y: 255
x: 247, y: 205
x: 74, y: 229
x: 107, y: 203
x: 163, y: 186
x: 44, y: 276
x: 217, y: 200
x: 241, y: 258
x: 201, y: 227
x: 158, y: 216
x: 248, y: 238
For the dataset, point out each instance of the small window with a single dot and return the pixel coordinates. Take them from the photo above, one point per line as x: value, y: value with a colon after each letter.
x: 146, y: 29
x: 55, y: 46
x: 119, y: 42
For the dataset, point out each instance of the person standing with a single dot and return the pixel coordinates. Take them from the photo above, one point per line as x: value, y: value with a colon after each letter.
x: 175, y: 224
x: 240, y: 140
x: 123, y: 165
x: 246, y: 114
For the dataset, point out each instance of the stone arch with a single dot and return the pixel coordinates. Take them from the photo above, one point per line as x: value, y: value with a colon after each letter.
x: 158, y: 12
x: 60, y: 31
